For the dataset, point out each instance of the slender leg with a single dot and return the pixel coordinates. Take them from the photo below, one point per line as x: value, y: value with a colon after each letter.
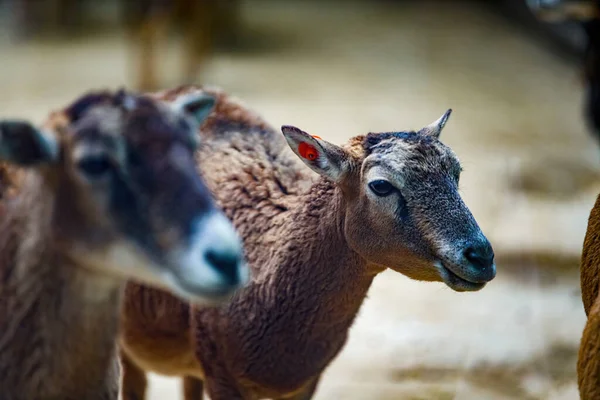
x: 222, y: 389
x: 146, y: 21
x: 133, y: 380
x: 149, y: 34
x: 198, y: 31
x: 193, y: 388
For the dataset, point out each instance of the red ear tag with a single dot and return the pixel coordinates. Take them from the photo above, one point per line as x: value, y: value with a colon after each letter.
x: 308, y: 151
x: 316, y: 137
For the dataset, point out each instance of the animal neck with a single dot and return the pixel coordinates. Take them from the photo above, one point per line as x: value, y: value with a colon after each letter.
x: 336, y: 276
x: 59, y: 321
x: 318, y: 286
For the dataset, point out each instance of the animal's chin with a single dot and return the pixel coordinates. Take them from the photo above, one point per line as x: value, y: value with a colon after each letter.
x: 455, y: 282
x: 199, y: 294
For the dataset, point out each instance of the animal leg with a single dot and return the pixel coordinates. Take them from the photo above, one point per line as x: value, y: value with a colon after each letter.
x: 150, y: 33
x: 222, y: 389
x: 133, y: 380
x: 588, y: 363
x: 147, y: 22
x: 193, y: 388
x: 198, y: 32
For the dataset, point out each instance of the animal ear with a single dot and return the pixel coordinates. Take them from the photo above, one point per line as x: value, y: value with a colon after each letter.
x: 24, y: 145
x: 322, y: 157
x: 199, y: 105
x: 435, y: 128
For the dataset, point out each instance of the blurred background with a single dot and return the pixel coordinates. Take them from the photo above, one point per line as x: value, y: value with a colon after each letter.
x: 343, y: 68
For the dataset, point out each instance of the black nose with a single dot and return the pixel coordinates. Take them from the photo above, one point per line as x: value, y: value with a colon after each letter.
x: 481, y: 257
x: 226, y: 263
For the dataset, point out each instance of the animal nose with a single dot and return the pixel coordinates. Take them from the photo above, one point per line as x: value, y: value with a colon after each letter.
x: 227, y: 263
x: 480, y: 256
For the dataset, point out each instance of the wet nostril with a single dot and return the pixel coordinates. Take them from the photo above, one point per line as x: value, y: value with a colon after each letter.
x: 481, y: 257
x: 226, y: 263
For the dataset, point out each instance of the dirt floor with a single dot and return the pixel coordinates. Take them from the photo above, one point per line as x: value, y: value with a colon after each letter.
x: 531, y: 174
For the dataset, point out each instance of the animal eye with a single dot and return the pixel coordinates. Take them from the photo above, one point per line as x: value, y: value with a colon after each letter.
x: 381, y: 188
x: 94, y: 167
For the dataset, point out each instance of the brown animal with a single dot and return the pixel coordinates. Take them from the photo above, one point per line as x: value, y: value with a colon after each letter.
x: 107, y: 191
x: 384, y: 200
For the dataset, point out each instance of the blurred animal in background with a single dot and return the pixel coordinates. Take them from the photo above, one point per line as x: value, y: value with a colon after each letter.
x: 107, y: 190
x: 202, y: 25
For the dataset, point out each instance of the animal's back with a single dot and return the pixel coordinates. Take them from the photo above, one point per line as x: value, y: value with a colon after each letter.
x: 251, y: 171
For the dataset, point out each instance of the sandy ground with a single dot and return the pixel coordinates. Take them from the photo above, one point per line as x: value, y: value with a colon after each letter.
x: 531, y: 175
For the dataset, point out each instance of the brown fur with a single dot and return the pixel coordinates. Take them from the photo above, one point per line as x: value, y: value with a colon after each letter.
x: 48, y: 301
x: 61, y: 234
x: 588, y: 363
x: 588, y: 366
x: 307, y: 240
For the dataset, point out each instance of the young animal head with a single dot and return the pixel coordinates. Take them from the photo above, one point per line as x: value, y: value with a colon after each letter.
x: 561, y: 10
x: 401, y: 204
x: 127, y: 199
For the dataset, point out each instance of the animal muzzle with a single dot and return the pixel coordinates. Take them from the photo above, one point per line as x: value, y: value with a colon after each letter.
x: 467, y: 267
x: 212, y: 267
x: 478, y: 261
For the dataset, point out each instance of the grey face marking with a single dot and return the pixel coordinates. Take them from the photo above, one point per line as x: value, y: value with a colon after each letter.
x: 422, y: 214
x: 402, y: 209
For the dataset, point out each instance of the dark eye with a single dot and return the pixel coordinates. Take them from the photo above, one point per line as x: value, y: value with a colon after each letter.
x: 381, y: 188
x: 94, y: 167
